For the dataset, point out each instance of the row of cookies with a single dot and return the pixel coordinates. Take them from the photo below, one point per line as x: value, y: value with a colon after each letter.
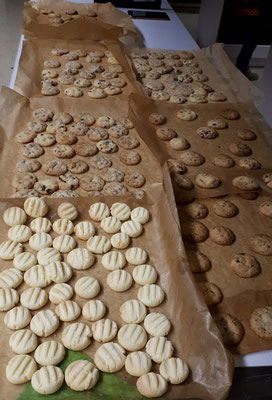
x: 131, y: 336
x: 229, y: 255
x: 57, y: 19
x: 59, y: 137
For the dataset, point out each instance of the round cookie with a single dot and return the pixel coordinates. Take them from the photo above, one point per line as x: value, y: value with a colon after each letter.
x: 194, y: 231
x: 156, y: 324
x: 245, y: 183
x: 198, y: 261
x: 133, y: 311
x: 32, y: 150
x: 76, y: 336
x: 120, y: 240
x: 25, y: 136
x: 211, y: 292
x: 245, y: 265
x: 134, y: 179
x: 223, y: 161
x: 222, y: 235
x: 87, y: 287
x: 17, y: 318
x: 240, y: 149
x: 104, y: 330
x: 67, y: 211
x: 196, y: 210
x: 186, y: 114
x: 230, y: 328
x: 36, y: 277
x: 166, y: 133
x: 217, y: 123
x: 84, y: 230
x: 132, y: 228
x: 63, y: 151
x: 207, y: 133
x: 34, y: 298
x: 99, y: 244
x: 159, y: 348
x: 113, y: 260
x: 49, y: 90
x: 112, y: 175
x: 97, y: 134
x: 63, y: 226
x: 118, y: 130
x: 132, y: 337
x: 174, y: 370
x: 138, y: 363
x: 14, y: 216
x: 64, y: 243
x: 46, y: 186
x: 183, y: 182
x: 60, y: 292
x: 42, y: 114
x: 68, y: 182
x: 230, y: 114
x: 216, y: 96
x: 47, y: 380
x: 266, y: 208
x: 20, y: 369
x: 207, y: 181
x: 23, y: 341
x: 261, y: 244
x: 77, y: 167
x: 24, y: 181
x: 225, y: 208
x: 110, y: 357
x: 157, y: 119
x: 151, y: 295
x: 24, y: 261
x: 81, y: 375
x: 129, y: 157
x: 98, y: 211
x: 41, y: 224
x: 44, y: 323
x: 128, y: 142
x: 261, y: 322
x: 100, y: 162
x: 9, y: 249
x: 45, y: 139
x: 58, y: 271
x: 179, y: 143
x: 119, y: 280
x: 191, y: 158
x: 250, y: 163
x: 151, y: 385
x: 246, y: 134
x: 94, y: 310
x: 80, y: 258
x: 68, y: 310
x: 54, y: 168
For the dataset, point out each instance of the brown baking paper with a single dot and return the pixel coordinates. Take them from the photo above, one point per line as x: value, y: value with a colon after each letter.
x: 108, y: 18
x: 240, y: 295
x: 31, y: 65
x: 193, y: 332
x: 16, y: 112
x: 142, y: 108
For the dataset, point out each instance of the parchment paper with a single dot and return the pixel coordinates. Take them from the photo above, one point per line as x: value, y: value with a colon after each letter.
x: 240, y: 295
x: 16, y: 111
x: 31, y: 65
x: 141, y: 109
x: 193, y: 332
x: 36, y: 24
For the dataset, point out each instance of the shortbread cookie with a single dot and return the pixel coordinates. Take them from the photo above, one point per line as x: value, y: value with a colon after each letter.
x: 80, y: 258
x: 19, y: 233
x: 230, y: 114
x: 159, y: 349
x: 120, y: 211
x: 136, y: 256
x: 43, y: 114
x: 104, y: 330
x: 99, y: 211
x: 129, y: 157
x: 157, y: 324
x: 111, y: 224
x: 120, y: 240
x: 63, y: 226
x: 63, y: 151
x: 41, y: 224
x: 223, y: 161
x: 132, y: 228
x: 198, y: 261
x: 47, y: 380
x: 84, y: 230
x: 94, y: 310
x: 113, y: 260
x: 60, y: 292
x: 194, y: 231
x: 37, y: 277
x: 64, y: 243
x: 34, y: 298
x: 230, y: 328
x: 128, y: 142
x: 138, y: 363
x: 17, y: 318
x: 47, y: 255
x: 225, y: 208
x: 110, y: 357
x: 240, y: 149
x: 87, y: 287
x: 76, y: 336
x: 58, y: 272
x: 24, y: 181
x: 144, y: 274
x: 119, y: 280
x: 261, y: 244
x: 20, y: 369
x: 140, y: 214
x: 191, y: 158
x: 261, y: 322
x: 49, y: 353
x: 14, y: 216
x: 174, y: 370
x: 68, y: 211
x: 151, y: 295
x: 151, y: 385
x: 266, y: 208
x: 81, y: 375
x: 24, y: 261
x: 211, y: 292
x: 40, y: 240
x: 246, y: 134
x: 132, y: 337
x: 8, y: 298
x: 68, y: 310
x: 35, y: 207
x: 245, y: 265
x: 245, y: 183
x: 186, y: 114
x: 44, y: 323
x: 9, y: 249
x: 133, y: 312
x: 99, y: 244
x: 222, y: 235
x: 54, y: 168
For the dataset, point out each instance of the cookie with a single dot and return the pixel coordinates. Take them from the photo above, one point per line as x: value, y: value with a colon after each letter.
x: 136, y: 256
x: 230, y: 114
x: 246, y: 134
x: 97, y: 134
x: 198, y: 261
x: 49, y: 90
x: 32, y: 150
x: 25, y: 136
x: 47, y: 380
x: 156, y: 324
x: 45, y: 139
x: 17, y: 318
x: 59, y: 51
x: 64, y: 243
x: 112, y: 175
x: 128, y: 142
x: 63, y: 226
x: 67, y: 211
x: 80, y: 258
x: 197, y: 98
x: 174, y: 370
x: 87, y: 287
x: 207, y: 133
x: 98, y: 244
x: 191, y: 158
x: 240, y: 149
x: 225, y: 208
x: 33, y: 298
x: 166, y: 133
x: 58, y: 272
x: 151, y: 385
x: 217, y: 123
x: 119, y: 280
x: 66, y: 137
x: 63, y: 151
x: 245, y: 265
x: 19, y: 233
x: 77, y: 167
x: 14, y: 216
x: 245, y: 183
x: 91, y: 182
x: 151, y: 295
x: 159, y: 349
x: 67, y: 182
x: 104, y: 330
x: 211, y: 293
x: 24, y: 181
x: 160, y: 95
x: 94, y: 310
x: 54, y: 127
x: 46, y: 186
x: 230, y: 328
x: 9, y: 249
x: 194, y: 231
x: 66, y: 80
x: 135, y: 179
x: 48, y: 255
x: 222, y: 235
x: 24, y: 261
x: 120, y: 240
x: 260, y: 321
x: 11, y: 278
x: 76, y: 336
x: 132, y: 228
x: 44, y: 323
x: 40, y: 241
x: 73, y: 92
x: 100, y: 162
x: 107, y: 146
x: 216, y: 96
x: 25, y: 193
x: 85, y: 118
x: 42, y: 114
x: 144, y: 274
x: 60, y: 292
x: 130, y: 157
x: 81, y: 375
x: 250, y: 163
x: 223, y: 161
x: 261, y: 244
x: 196, y: 210
x: 49, y: 73
x: 266, y: 208
x: 207, y: 181
x: 97, y: 93
x: 138, y: 363
x: 20, y: 369
x: 110, y: 357
x: 8, y: 298
x: 49, y: 353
